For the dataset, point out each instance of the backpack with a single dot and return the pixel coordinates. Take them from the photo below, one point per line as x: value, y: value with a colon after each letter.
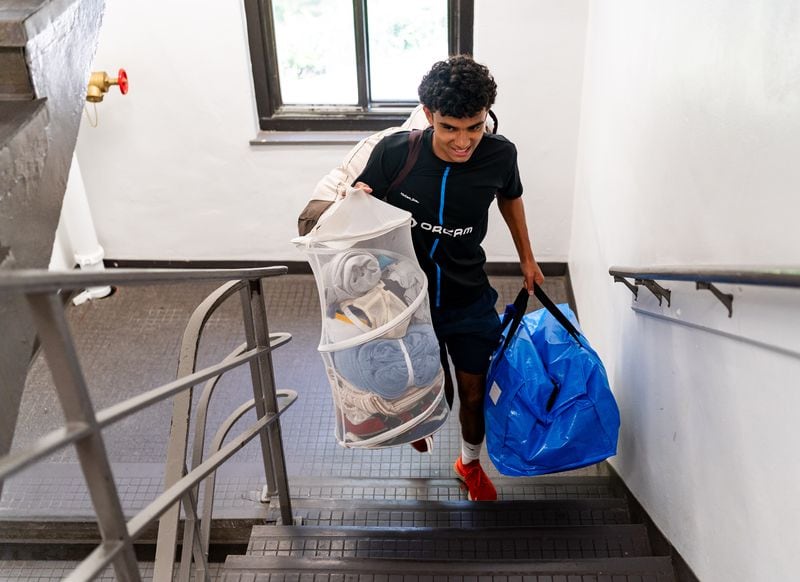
x: 334, y: 184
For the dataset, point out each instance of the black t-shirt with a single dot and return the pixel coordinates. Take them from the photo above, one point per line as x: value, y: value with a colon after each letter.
x: 449, y: 203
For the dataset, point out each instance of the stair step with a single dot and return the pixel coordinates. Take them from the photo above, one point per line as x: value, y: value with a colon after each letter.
x: 15, y: 81
x: 15, y: 116
x: 284, y: 568
x: 547, y: 487
x: 456, y: 514
x: 517, y: 543
x: 21, y: 20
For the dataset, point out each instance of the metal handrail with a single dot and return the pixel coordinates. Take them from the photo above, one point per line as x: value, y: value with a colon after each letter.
x: 704, y: 278
x: 101, y: 557
x: 208, y: 500
x: 772, y: 276
x: 264, y: 397
x: 83, y: 425
x: 46, y: 445
x: 139, y: 522
x: 65, y: 436
x: 179, y: 432
x: 41, y: 281
x: 190, y: 536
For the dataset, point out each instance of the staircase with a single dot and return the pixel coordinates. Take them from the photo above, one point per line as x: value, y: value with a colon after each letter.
x: 543, y: 529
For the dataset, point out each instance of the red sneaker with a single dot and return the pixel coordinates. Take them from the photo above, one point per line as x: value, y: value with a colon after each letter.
x: 479, y: 486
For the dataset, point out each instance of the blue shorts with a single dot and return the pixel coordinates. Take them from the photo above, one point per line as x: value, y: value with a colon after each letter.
x: 469, y: 334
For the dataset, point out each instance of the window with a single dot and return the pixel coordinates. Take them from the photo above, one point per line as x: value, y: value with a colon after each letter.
x: 348, y: 64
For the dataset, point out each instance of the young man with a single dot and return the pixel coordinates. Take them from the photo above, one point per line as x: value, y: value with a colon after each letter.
x: 460, y: 170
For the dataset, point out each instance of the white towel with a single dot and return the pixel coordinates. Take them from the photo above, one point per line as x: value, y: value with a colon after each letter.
x: 350, y: 274
x: 408, y: 277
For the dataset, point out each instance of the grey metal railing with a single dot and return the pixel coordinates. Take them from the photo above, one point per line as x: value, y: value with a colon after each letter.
x: 704, y: 278
x: 83, y: 427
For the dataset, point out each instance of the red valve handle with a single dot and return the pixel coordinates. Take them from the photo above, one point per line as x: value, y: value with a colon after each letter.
x: 122, y: 81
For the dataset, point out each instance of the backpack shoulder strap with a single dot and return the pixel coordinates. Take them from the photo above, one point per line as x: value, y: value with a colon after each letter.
x: 414, y: 147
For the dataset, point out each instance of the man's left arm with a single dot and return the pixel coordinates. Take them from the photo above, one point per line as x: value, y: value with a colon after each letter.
x: 513, y: 211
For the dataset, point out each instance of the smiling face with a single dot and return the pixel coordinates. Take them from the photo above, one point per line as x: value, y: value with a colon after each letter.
x: 455, y: 138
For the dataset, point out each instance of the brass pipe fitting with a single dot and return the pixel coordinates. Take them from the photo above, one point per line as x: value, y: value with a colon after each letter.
x: 100, y: 83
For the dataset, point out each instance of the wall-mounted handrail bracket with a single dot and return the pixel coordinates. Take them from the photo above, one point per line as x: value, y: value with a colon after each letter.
x: 634, y: 289
x: 705, y: 277
x: 725, y: 298
x: 656, y: 289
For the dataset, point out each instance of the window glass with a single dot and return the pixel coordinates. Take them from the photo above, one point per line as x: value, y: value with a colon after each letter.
x: 316, y: 51
x: 405, y: 38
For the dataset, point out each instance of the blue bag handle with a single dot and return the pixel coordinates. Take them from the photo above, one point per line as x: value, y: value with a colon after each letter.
x: 513, y: 316
x: 515, y: 312
x: 556, y: 312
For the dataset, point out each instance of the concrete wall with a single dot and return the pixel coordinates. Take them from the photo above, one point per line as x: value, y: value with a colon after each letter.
x: 169, y: 172
x: 34, y: 171
x: 688, y: 155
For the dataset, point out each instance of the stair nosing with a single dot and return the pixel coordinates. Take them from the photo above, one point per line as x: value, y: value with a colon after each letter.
x: 462, y: 504
x: 371, y: 481
x: 286, y: 564
x: 633, y: 536
x: 273, y: 531
x: 452, y: 490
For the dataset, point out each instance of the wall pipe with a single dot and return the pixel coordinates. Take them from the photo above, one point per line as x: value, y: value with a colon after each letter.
x: 81, y: 234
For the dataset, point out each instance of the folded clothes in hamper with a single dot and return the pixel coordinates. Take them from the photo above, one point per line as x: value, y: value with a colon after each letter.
x: 350, y: 274
x: 388, y: 367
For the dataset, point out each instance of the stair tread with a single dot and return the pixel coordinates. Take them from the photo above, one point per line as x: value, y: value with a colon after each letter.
x: 276, y: 569
x: 540, y: 543
x: 361, y: 512
x: 545, y: 487
x: 15, y: 115
x: 15, y: 81
x: 21, y: 20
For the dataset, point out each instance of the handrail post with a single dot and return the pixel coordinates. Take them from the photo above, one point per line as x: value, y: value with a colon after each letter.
x: 254, y: 313
x: 248, y: 318
x: 178, y: 443
x: 175, y: 469
x: 192, y: 543
x: 70, y: 385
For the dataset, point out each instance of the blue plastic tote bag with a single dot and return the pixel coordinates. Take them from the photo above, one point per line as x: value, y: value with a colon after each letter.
x: 548, y: 404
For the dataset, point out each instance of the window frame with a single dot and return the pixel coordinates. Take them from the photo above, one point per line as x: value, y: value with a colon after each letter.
x: 273, y: 115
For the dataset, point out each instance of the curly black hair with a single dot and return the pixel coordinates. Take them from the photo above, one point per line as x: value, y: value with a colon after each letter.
x: 458, y: 87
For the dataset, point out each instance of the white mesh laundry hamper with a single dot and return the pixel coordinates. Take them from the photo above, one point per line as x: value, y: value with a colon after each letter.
x: 380, y: 352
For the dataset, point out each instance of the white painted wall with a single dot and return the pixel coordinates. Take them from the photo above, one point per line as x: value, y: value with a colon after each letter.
x: 688, y: 155
x: 169, y: 172
x: 535, y: 50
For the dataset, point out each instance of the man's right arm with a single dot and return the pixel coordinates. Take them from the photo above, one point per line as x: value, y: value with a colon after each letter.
x: 513, y: 213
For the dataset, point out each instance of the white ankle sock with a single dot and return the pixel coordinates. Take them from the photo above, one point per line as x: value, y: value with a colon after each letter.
x: 470, y: 452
